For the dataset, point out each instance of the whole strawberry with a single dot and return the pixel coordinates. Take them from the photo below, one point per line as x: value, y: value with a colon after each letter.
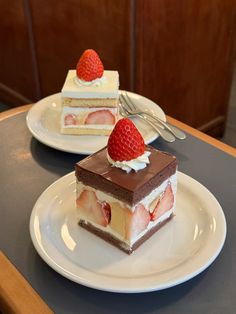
x: 90, y: 66
x: 125, y: 141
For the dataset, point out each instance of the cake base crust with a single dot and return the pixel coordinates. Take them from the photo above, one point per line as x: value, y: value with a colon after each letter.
x: 118, y: 243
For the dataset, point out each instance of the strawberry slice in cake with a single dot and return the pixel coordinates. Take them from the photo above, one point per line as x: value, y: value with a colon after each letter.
x: 126, y: 191
x: 89, y: 98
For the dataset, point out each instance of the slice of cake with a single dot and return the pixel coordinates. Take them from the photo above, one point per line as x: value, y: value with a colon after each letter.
x: 126, y: 191
x: 89, y: 98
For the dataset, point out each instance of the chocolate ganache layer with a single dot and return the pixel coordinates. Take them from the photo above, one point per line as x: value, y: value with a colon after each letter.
x: 97, y: 172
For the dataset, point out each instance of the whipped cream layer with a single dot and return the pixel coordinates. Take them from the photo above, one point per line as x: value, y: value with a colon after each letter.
x: 97, y: 82
x: 109, y: 88
x: 146, y: 202
x: 136, y: 164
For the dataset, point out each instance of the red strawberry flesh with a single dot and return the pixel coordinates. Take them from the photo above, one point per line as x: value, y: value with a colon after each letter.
x: 103, y: 116
x: 125, y: 141
x: 137, y: 222
x: 90, y: 207
x: 164, y: 204
x: 89, y: 66
x: 70, y: 119
x: 107, y: 211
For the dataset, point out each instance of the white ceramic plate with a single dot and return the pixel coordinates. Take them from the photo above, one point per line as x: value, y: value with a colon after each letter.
x: 43, y: 121
x: 180, y: 250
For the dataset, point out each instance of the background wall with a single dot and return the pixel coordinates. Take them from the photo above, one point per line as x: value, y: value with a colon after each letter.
x: 178, y: 53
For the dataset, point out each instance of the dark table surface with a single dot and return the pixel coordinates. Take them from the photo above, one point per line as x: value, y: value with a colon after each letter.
x: 29, y: 167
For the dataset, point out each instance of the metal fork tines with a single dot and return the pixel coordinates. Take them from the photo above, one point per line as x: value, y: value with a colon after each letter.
x: 132, y: 108
x: 165, y: 134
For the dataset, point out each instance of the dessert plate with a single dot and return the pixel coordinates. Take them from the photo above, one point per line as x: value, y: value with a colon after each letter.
x: 43, y: 121
x: 182, y: 249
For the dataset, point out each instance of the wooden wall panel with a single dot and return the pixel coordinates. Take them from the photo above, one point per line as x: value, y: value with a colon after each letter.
x: 178, y: 53
x: 17, y: 79
x: 64, y: 29
x: 184, y: 57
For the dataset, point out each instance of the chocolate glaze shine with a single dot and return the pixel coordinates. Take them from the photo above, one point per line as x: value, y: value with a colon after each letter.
x: 98, y: 173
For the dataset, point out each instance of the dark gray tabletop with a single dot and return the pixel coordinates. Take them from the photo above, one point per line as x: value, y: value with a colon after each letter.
x: 29, y: 167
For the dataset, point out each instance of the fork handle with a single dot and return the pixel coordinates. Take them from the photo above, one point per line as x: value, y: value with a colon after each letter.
x: 175, y: 131
x: 165, y: 134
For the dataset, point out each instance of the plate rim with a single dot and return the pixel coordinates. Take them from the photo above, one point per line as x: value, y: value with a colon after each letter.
x: 43, y: 102
x: 103, y: 287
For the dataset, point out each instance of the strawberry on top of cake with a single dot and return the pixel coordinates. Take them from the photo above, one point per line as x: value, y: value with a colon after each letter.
x: 90, y: 97
x: 127, y: 190
x: 89, y: 67
x: 126, y: 148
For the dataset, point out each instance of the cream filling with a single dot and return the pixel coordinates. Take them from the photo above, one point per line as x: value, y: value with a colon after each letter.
x: 83, y: 112
x: 130, y: 242
x: 90, y: 126
x: 78, y: 110
x: 145, y: 202
x: 136, y: 164
x: 107, y: 90
x: 97, y: 82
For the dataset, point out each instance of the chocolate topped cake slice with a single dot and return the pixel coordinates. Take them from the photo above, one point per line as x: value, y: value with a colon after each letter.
x: 126, y: 201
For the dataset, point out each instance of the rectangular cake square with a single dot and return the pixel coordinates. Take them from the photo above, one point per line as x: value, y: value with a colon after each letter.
x: 74, y: 91
x: 90, y: 109
x: 125, y: 209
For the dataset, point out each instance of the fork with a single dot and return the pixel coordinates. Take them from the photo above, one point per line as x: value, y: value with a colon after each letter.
x: 132, y: 108
x: 166, y: 135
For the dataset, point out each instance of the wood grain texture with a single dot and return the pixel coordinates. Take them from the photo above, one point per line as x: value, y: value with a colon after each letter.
x: 202, y: 136
x: 16, y: 68
x: 177, y: 53
x: 184, y: 57
x: 66, y: 28
x: 16, y: 295
x: 12, y: 112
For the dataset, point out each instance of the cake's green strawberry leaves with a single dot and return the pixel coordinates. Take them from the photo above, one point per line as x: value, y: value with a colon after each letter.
x: 164, y: 203
x: 103, y: 116
x: 94, y: 210
x: 89, y: 66
x: 125, y: 142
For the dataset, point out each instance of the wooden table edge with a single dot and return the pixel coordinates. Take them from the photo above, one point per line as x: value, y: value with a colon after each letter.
x: 16, y: 294
x: 200, y: 135
x: 204, y: 137
x: 12, y: 112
